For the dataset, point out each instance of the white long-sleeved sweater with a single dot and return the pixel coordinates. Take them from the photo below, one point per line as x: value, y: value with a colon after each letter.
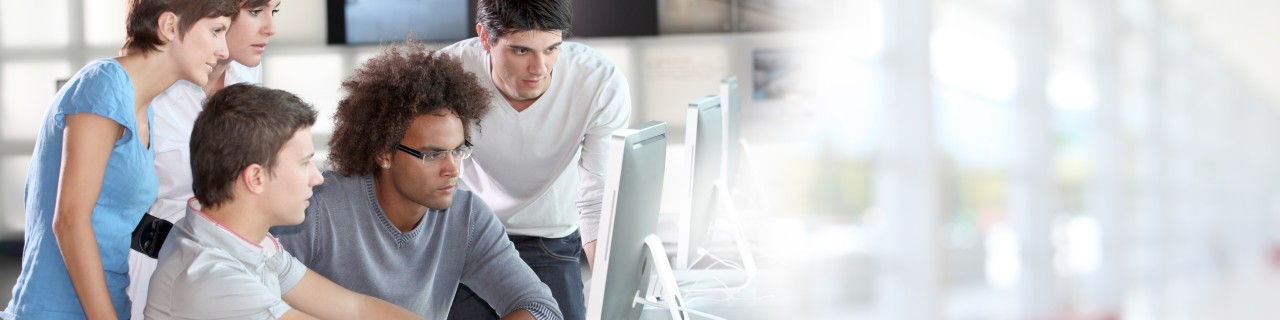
x: 523, y: 165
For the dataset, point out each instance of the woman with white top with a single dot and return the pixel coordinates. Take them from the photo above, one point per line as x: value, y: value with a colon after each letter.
x: 178, y: 106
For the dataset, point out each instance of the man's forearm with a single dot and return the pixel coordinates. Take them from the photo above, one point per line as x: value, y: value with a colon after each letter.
x: 375, y: 308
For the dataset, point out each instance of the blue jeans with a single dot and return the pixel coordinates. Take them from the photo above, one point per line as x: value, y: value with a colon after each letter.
x: 554, y: 260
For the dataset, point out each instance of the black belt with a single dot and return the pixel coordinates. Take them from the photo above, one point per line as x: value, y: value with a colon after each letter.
x: 149, y: 236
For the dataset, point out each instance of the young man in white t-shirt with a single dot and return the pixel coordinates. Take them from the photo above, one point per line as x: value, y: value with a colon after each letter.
x: 539, y: 160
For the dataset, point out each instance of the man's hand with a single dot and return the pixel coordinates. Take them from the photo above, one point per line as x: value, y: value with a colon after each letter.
x: 590, y: 249
x: 520, y: 315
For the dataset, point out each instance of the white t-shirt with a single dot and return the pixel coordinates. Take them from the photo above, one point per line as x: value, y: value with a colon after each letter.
x: 208, y: 271
x: 175, y: 115
x: 523, y: 164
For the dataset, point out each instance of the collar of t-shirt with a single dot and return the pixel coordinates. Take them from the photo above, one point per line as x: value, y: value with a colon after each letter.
x: 214, y: 234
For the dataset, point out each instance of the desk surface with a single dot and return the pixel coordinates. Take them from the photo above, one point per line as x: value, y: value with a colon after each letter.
x: 763, y: 298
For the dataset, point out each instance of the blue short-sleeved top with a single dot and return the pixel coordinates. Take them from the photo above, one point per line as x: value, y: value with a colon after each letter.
x: 44, y: 290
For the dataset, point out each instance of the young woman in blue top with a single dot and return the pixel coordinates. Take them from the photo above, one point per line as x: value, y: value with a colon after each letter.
x: 92, y: 175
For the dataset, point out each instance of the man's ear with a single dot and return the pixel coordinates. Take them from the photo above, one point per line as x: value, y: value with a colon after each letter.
x: 484, y: 36
x: 254, y: 178
x: 167, y: 27
x: 384, y: 160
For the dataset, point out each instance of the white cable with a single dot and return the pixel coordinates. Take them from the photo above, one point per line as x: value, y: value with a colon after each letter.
x: 732, y: 297
x: 727, y: 263
x: 702, y: 253
x: 722, y: 286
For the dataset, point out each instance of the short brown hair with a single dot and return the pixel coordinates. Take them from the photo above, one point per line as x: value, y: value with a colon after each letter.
x: 391, y: 89
x: 142, y: 23
x: 504, y: 17
x: 242, y: 124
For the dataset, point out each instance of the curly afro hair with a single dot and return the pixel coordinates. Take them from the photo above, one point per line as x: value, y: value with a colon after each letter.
x: 391, y: 89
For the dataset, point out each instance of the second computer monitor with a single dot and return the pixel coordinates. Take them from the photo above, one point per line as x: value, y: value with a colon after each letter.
x: 704, y: 146
x: 731, y: 104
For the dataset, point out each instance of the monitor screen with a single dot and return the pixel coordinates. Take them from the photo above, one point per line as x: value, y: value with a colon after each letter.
x: 384, y: 21
x: 633, y: 191
x: 729, y: 98
x: 704, y: 145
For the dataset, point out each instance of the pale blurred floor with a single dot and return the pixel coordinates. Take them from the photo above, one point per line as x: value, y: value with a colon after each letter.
x: 1248, y: 291
x: 1245, y: 292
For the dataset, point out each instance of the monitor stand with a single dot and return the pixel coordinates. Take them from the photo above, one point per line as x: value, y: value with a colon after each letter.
x: 664, y: 285
x: 725, y: 278
x: 728, y: 279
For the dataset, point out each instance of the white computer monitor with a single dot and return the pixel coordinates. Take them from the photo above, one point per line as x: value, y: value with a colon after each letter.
x: 704, y: 146
x: 730, y: 101
x: 628, y: 254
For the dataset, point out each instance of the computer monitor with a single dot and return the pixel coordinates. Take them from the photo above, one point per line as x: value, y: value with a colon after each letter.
x: 628, y: 254
x: 730, y: 101
x: 704, y: 146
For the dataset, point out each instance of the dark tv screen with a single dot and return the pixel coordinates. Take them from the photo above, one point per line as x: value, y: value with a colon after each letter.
x: 383, y: 21
x: 614, y: 18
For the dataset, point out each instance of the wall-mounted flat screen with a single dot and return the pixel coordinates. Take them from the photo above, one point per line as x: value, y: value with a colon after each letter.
x: 385, y: 21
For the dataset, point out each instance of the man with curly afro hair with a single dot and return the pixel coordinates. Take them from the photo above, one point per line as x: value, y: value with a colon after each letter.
x: 389, y: 220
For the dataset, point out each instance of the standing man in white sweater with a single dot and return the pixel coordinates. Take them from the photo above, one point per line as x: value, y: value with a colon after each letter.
x: 539, y: 160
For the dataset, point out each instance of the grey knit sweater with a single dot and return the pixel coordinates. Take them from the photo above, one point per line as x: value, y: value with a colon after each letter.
x: 347, y: 238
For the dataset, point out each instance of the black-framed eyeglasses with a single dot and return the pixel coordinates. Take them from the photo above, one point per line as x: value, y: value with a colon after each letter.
x: 462, y: 152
